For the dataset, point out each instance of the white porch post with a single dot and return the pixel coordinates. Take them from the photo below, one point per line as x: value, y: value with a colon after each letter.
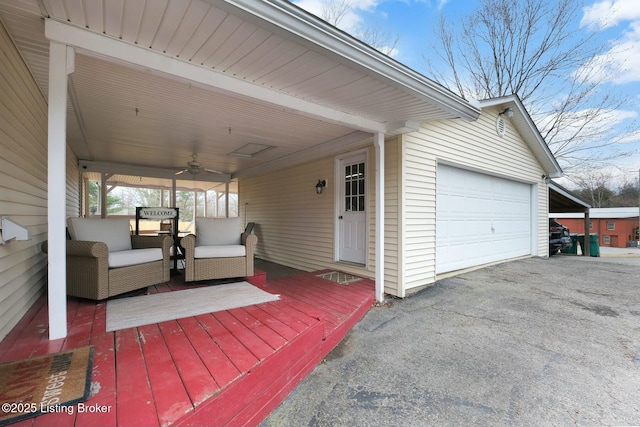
x: 226, y: 200
x: 60, y: 65
x: 378, y: 142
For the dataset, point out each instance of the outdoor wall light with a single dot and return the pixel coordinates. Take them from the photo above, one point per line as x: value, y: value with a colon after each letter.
x: 508, y: 112
x: 320, y: 185
x: 546, y: 179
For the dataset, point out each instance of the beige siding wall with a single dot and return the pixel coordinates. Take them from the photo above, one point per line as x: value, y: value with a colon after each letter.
x: 474, y: 145
x: 23, y: 184
x: 393, y: 218
x: 294, y: 225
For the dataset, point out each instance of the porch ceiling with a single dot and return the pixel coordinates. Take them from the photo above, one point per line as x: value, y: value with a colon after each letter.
x: 156, y: 81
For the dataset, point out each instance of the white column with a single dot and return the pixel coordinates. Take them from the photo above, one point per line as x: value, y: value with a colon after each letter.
x: 60, y: 64
x: 378, y: 142
x: 226, y: 200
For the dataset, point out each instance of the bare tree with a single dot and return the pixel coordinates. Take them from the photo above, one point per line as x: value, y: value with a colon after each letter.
x: 533, y: 48
x: 335, y: 11
x: 595, y: 186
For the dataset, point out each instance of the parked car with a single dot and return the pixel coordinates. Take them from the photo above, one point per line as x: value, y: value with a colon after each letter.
x: 559, y: 237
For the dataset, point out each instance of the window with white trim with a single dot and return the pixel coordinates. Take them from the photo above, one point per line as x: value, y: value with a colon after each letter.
x: 606, y: 239
x: 611, y: 225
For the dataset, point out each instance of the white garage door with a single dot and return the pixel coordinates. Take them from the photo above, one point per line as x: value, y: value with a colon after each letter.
x: 480, y: 219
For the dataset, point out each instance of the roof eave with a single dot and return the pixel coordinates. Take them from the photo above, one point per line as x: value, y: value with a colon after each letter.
x: 292, y: 19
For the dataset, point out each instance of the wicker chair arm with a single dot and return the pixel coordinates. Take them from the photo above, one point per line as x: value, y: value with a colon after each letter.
x: 249, y: 240
x: 188, y: 243
x: 84, y: 248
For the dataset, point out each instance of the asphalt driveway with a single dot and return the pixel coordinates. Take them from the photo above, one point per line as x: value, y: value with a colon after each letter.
x: 533, y: 342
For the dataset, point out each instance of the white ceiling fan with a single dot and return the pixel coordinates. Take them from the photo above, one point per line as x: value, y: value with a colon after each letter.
x: 194, y: 167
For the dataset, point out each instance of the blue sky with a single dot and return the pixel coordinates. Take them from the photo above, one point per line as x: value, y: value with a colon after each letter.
x: 616, y: 24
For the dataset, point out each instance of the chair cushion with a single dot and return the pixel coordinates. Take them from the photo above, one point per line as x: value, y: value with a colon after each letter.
x: 115, y: 232
x: 134, y: 257
x: 218, y: 231
x: 224, y: 251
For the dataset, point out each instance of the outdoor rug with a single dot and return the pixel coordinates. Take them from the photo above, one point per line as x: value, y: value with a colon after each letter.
x: 148, y: 309
x: 44, y: 384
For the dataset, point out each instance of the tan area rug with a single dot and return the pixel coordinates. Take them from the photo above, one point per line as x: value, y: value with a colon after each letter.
x: 148, y: 309
x: 44, y: 384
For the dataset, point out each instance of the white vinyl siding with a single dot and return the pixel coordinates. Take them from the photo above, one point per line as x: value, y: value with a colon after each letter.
x: 294, y: 225
x: 23, y: 185
x: 392, y: 218
x: 471, y: 145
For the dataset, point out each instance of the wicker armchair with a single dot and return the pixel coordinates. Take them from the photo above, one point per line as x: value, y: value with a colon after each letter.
x: 224, y: 260
x: 89, y: 275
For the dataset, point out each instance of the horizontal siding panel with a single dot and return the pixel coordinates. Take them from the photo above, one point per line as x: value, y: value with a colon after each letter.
x: 23, y: 197
x: 474, y: 145
x: 23, y: 185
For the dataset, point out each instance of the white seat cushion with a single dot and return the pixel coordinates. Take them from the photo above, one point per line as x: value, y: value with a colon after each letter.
x: 225, y: 251
x: 115, y: 232
x: 134, y: 257
x: 218, y: 231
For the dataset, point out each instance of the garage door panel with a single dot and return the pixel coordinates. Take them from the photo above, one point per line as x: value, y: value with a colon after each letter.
x: 480, y: 219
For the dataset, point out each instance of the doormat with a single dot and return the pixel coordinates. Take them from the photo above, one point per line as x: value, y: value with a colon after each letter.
x: 339, y: 277
x: 44, y: 384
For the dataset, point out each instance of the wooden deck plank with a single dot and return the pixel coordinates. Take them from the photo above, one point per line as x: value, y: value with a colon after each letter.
x: 289, y: 316
x: 262, y: 330
x: 272, y: 321
x: 78, y: 336
x: 239, y: 355
x: 247, y: 337
x: 103, y: 380
x: 233, y: 366
x: 340, y: 294
x: 312, y: 296
x: 134, y: 400
x: 171, y: 399
x: 220, y: 409
x: 217, y: 362
x: 26, y: 342
x: 195, y: 376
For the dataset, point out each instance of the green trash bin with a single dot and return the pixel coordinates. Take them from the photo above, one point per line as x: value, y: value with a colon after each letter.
x: 573, y: 249
x: 594, y: 245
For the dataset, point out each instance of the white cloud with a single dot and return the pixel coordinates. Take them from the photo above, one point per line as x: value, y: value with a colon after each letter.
x: 609, y: 13
x: 351, y: 19
x: 621, y: 63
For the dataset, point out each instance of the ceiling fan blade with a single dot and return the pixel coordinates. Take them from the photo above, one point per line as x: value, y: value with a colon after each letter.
x: 214, y: 171
x: 181, y: 172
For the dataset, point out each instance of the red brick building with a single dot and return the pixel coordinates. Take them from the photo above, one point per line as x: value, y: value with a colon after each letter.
x: 616, y: 227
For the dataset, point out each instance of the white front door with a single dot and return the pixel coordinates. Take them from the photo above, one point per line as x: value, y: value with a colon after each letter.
x: 352, y: 216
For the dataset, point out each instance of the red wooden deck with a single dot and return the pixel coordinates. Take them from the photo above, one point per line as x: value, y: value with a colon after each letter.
x: 232, y: 367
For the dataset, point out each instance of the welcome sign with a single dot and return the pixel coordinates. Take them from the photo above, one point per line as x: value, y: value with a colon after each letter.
x: 157, y: 213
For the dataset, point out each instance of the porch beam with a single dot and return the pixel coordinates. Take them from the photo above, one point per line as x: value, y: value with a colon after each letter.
x: 60, y: 65
x: 105, y: 46
x: 378, y: 142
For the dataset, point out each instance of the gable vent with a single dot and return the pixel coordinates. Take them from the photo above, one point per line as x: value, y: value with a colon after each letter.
x: 501, y: 126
